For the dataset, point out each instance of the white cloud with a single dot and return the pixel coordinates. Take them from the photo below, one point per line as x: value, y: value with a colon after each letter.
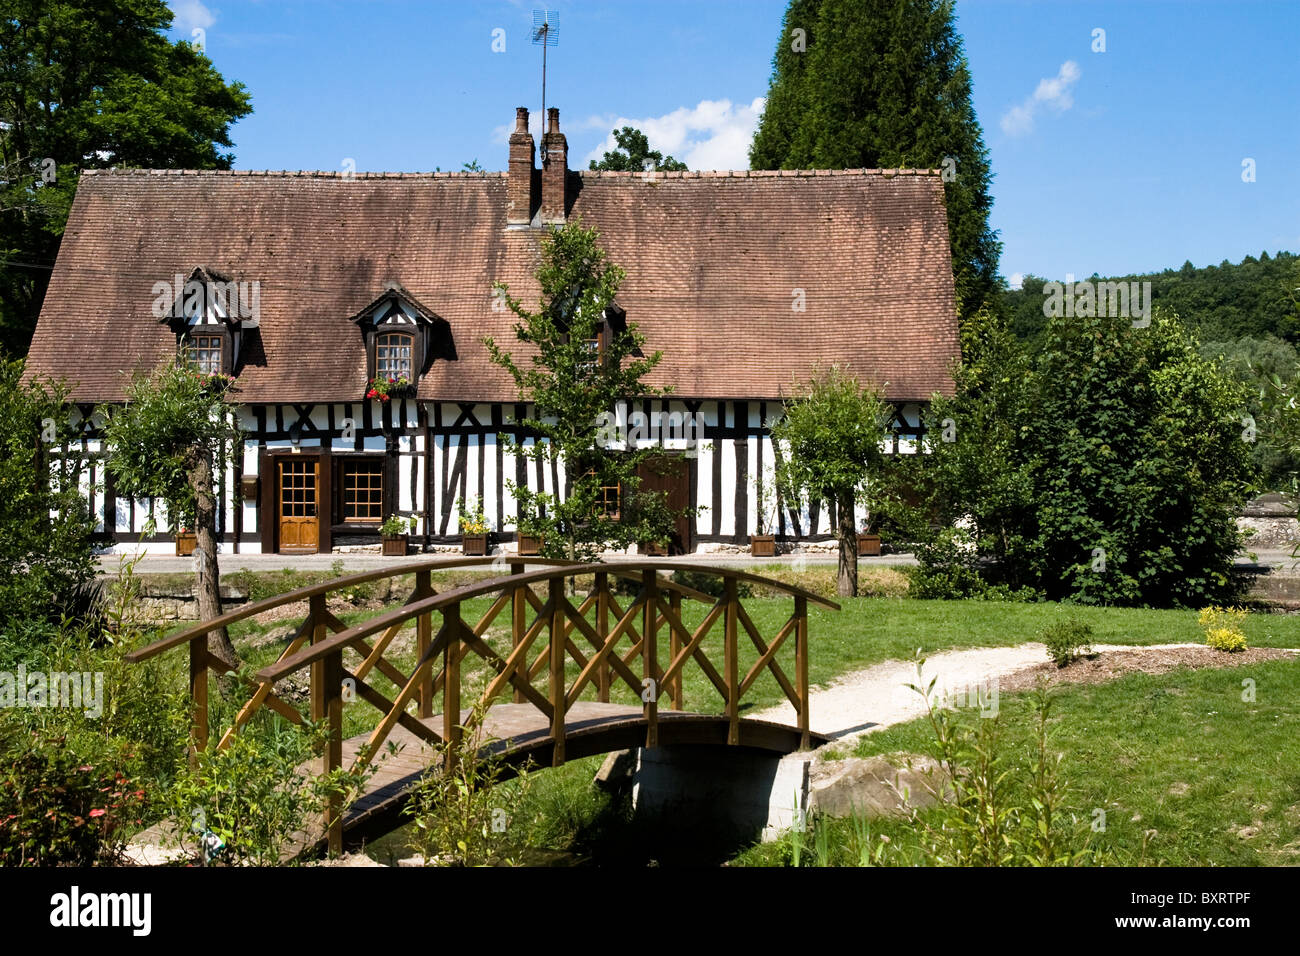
x: 715, y: 134
x: 190, y: 14
x: 1016, y: 280
x: 1053, y: 92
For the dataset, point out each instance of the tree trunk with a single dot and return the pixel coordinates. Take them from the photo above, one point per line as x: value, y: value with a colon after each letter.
x: 207, y: 575
x: 846, y: 533
x: 571, y: 584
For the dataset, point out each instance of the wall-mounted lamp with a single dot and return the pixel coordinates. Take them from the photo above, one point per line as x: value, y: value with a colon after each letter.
x: 295, y: 434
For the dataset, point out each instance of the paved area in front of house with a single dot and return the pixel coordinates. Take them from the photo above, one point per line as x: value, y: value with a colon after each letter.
x: 1278, y: 560
x: 366, y: 560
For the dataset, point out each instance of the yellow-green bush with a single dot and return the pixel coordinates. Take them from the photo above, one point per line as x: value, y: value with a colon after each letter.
x: 1223, y: 628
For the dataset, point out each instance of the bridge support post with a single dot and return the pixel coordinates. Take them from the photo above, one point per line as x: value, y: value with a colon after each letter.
x: 423, y: 636
x: 602, y: 631
x: 675, y: 647
x: 558, y: 632
x: 731, y: 664
x: 451, y: 727
x: 650, y: 656
x: 801, y: 666
x: 518, y: 622
x: 327, y: 706
x: 198, y: 698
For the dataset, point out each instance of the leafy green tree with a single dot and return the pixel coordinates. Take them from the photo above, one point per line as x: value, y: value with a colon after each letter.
x: 885, y: 84
x: 46, y: 557
x: 175, y: 430
x: 830, y: 442
x: 573, y: 388
x: 1255, y: 298
x: 976, y: 464
x: 633, y: 151
x: 1257, y: 363
x: 85, y: 86
x: 1105, y: 466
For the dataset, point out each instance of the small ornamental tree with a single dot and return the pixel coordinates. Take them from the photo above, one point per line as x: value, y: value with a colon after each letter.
x: 829, y: 442
x: 573, y: 385
x: 175, y: 430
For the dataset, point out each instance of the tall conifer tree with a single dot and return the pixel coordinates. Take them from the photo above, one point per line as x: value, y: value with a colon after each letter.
x: 885, y: 84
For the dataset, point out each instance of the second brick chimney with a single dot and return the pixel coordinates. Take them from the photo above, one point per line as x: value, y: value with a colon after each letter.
x: 555, y: 168
x: 520, y: 175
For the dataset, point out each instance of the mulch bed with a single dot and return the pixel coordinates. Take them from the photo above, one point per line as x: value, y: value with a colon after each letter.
x: 1109, y: 665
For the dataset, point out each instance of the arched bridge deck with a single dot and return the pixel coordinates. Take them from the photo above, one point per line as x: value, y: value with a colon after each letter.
x: 537, y: 706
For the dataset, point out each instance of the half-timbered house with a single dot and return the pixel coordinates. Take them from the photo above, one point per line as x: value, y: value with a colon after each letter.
x: 305, y: 286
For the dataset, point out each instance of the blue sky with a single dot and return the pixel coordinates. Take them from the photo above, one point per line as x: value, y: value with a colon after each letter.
x: 1119, y: 161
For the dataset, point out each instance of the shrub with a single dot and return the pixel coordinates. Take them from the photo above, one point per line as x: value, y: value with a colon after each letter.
x: 949, y: 568
x: 461, y: 816
x: 1223, y: 628
x: 73, y: 779
x: 46, y: 527
x: 1067, y: 640
x: 245, y: 803
x: 946, y: 568
x: 57, y: 810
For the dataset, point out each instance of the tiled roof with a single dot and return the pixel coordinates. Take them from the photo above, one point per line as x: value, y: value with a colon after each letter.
x: 713, y: 262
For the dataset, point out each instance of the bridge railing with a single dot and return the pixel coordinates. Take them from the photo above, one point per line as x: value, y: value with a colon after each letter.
x: 610, y: 644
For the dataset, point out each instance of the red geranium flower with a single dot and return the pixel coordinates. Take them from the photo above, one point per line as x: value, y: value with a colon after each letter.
x: 97, y: 813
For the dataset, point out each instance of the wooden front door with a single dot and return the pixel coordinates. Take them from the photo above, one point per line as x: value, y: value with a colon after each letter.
x: 671, y: 474
x: 299, y: 486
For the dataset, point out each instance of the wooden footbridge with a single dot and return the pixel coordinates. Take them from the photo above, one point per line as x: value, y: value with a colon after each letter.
x: 535, y: 708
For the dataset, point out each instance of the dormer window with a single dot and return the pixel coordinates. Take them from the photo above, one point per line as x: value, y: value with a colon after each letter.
x: 594, y: 350
x: 402, y: 338
x: 213, y: 316
x: 393, y: 356
x: 205, y: 352
x: 612, y: 322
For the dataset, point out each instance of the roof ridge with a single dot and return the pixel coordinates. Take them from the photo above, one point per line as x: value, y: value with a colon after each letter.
x: 483, y: 175
x: 750, y: 173
x: 291, y: 174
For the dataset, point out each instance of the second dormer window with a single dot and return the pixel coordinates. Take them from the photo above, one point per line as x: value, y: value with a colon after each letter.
x: 393, y: 352
x: 205, y: 353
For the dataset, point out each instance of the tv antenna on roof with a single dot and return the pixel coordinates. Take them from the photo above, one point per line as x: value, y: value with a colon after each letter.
x: 546, y: 32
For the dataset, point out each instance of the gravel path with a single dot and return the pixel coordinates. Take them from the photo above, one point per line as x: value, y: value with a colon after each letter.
x: 871, y: 699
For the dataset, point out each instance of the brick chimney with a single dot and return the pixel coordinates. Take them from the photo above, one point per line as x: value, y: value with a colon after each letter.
x: 519, y: 178
x: 555, y: 169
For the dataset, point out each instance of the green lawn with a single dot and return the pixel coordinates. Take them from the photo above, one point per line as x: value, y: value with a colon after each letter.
x: 1188, y: 773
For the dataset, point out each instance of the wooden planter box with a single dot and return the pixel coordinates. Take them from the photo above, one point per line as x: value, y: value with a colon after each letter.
x: 652, y: 549
x: 762, y: 545
x: 868, y: 545
x: 530, y: 544
x: 186, y: 542
x: 474, y: 544
x: 394, y: 545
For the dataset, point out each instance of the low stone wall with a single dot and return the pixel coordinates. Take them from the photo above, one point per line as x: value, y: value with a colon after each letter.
x: 828, y: 546
x: 1274, y: 531
x: 160, y: 602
